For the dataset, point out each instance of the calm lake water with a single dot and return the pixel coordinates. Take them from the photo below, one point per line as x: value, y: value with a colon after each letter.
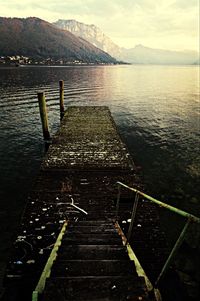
x: 156, y: 108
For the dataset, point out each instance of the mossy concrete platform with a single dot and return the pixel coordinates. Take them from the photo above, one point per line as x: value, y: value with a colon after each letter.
x: 88, y: 138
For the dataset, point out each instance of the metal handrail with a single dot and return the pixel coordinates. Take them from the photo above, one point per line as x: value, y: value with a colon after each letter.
x: 190, y: 218
x: 169, y: 207
x: 47, y: 269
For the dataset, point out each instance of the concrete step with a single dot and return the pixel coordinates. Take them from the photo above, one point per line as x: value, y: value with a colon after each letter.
x: 102, y: 288
x: 77, y: 234
x: 91, y: 229
x: 92, y: 239
x: 93, y: 222
x: 93, y: 268
x: 97, y: 252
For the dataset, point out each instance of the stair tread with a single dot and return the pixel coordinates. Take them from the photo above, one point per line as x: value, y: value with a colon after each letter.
x: 93, y: 267
x: 94, y: 221
x: 95, y: 288
x: 95, y: 277
x: 97, y: 246
x: 92, y: 252
x: 100, y: 235
x: 97, y: 260
x: 91, y: 229
x: 90, y: 241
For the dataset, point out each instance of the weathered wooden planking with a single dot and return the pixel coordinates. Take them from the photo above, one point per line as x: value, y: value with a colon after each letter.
x: 87, y: 139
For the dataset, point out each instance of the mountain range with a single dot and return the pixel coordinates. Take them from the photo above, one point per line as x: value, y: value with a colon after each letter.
x: 71, y: 41
x: 138, y: 54
x: 145, y: 55
x: 40, y: 39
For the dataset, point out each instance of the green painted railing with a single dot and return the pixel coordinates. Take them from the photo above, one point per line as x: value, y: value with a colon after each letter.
x: 190, y: 218
x: 47, y: 269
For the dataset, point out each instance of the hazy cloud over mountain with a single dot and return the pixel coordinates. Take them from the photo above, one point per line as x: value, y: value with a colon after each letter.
x: 167, y: 24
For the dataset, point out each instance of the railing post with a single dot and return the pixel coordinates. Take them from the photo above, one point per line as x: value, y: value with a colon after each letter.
x: 43, y: 115
x: 118, y: 199
x: 62, y: 109
x: 132, y: 217
x: 173, y: 252
x: 35, y: 296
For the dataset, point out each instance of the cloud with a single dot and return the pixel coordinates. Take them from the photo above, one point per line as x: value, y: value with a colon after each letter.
x: 185, y: 4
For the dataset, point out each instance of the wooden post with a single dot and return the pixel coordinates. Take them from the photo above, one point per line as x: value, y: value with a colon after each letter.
x: 43, y: 115
x: 62, y: 109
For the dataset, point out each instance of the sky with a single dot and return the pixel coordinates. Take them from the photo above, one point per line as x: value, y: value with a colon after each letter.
x: 163, y: 24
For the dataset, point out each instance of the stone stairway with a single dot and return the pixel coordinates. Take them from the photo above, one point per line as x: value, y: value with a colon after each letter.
x: 92, y: 264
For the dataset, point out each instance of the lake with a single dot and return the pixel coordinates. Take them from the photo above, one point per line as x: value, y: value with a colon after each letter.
x: 157, y: 111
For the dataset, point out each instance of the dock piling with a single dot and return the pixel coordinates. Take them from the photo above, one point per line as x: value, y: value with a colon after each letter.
x: 43, y: 115
x: 62, y: 109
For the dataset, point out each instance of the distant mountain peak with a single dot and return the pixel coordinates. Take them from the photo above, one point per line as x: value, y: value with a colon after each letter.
x: 92, y: 34
x: 140, y: 46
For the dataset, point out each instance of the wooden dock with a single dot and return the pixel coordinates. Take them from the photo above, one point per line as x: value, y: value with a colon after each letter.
x: 77, y: 184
